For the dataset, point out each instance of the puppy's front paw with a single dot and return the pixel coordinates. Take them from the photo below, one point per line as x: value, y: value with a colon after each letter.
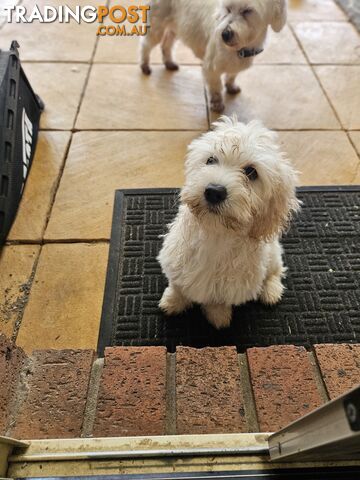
x: 172, y: 66
x: 145, y: 68
x: 218, y: 315
x: 272, y: 291
x: 172, y: 302
x: 233, y: 89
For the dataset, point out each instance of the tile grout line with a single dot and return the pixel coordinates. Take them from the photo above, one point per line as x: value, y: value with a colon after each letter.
x: 58, y: 241
x: 56, y: 187
x: 61, y: 172
x: 30, y: 281
x: 318, y: 376
x: 172, y: 130
x: 248, y: 394
x: 316, y: 76
x: 28, y: 286
x: 92, y: 398
x: 170, y: 423
x: 326, y: 94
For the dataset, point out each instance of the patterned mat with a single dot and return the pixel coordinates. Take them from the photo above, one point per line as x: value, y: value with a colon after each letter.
x: 320, y: 305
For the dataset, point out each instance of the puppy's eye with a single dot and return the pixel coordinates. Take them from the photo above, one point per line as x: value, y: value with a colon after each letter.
x: 212, y: 161
x: 246, y: 11
x: 228, y: 9
x: 251, y: 173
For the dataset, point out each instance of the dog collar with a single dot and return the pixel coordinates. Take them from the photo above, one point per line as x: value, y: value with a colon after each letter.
x: 249, y: 52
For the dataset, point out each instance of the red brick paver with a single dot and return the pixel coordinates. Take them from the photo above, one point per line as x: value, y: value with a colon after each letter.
x: 340, y: 367
x: 283, y: 383
x: 55, y: 393
x: 44, y: 395
x: 132, y: 395
x: 11, y: 361
x: 208, y: 393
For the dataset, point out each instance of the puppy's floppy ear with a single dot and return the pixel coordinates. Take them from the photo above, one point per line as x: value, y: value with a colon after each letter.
x: 273, y: 216
x: 277, y: 14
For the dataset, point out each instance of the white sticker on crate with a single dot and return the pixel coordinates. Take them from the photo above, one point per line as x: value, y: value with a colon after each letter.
x: 27, y: 135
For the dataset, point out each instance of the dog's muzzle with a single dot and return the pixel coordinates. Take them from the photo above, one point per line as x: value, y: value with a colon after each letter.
x: 215, y: 194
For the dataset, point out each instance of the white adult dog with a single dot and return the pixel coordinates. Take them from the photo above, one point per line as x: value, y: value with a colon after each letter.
x: 223, y: 247
x: 225, y: 34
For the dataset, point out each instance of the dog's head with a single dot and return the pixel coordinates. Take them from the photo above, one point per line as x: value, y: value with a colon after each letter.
x: 237, y: 177
x: 243, y: 23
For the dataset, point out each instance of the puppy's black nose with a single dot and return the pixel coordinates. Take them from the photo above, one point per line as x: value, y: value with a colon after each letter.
x: 215, y: 194
x: 227, y: 35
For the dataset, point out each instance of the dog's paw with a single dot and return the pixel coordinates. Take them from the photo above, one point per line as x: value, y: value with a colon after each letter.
x: 233, y: 89
x: 272, y: 291
x: 218, y: 315
x: 145, y: 68
x: 217, y: 105
x: 171, y: 302
x: 172, y: 66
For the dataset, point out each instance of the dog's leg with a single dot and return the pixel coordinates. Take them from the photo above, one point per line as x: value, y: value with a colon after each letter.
x: 173, y: 301
x: 147, y: 43
x: 273, y: 289
x: 231, y: 87
x: 213, y: 81
x: 218, y: 315
x: 167, y: 44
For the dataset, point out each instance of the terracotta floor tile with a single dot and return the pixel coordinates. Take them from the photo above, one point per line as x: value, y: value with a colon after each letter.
x: 40, y: 187
x: 329, y: 42
x: 101, y: 162
x: 281, y: 48
x: 322, y: 158
x: 121, y: 97
x: 66, y: 297
x: 283, y: 97
x: 342, y: 86
x: 16, y: 264
x: 318, y: 10
x: 60, y: 86
x: 51, y: 41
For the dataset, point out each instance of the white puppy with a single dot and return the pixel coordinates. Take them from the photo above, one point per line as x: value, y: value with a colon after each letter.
x: 225, y: 34
x: 223, y: 247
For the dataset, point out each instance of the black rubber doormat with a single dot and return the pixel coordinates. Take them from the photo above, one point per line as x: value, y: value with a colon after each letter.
x: 322, y: 299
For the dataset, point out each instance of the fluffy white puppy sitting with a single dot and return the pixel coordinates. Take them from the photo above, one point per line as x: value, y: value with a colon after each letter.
x: 225, y: 34
x: 223, y: 247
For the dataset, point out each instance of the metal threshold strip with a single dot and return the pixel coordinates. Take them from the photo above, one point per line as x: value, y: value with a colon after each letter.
x: 326, y: 438
x: 184, y: 456
x: 330, y: 432
x: 128, y: 454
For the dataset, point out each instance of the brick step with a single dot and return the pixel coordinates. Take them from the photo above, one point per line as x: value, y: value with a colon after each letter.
x: 147, y: 391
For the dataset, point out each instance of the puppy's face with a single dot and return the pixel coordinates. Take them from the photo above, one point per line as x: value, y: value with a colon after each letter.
x: 237, y: 177
x: 243, y: 23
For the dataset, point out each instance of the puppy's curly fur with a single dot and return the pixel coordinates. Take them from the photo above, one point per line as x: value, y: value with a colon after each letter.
x: 226, y: 251
x: 215, y: 30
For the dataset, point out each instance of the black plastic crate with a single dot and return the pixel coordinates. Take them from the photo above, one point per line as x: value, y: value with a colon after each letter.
x: 20, y: 111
